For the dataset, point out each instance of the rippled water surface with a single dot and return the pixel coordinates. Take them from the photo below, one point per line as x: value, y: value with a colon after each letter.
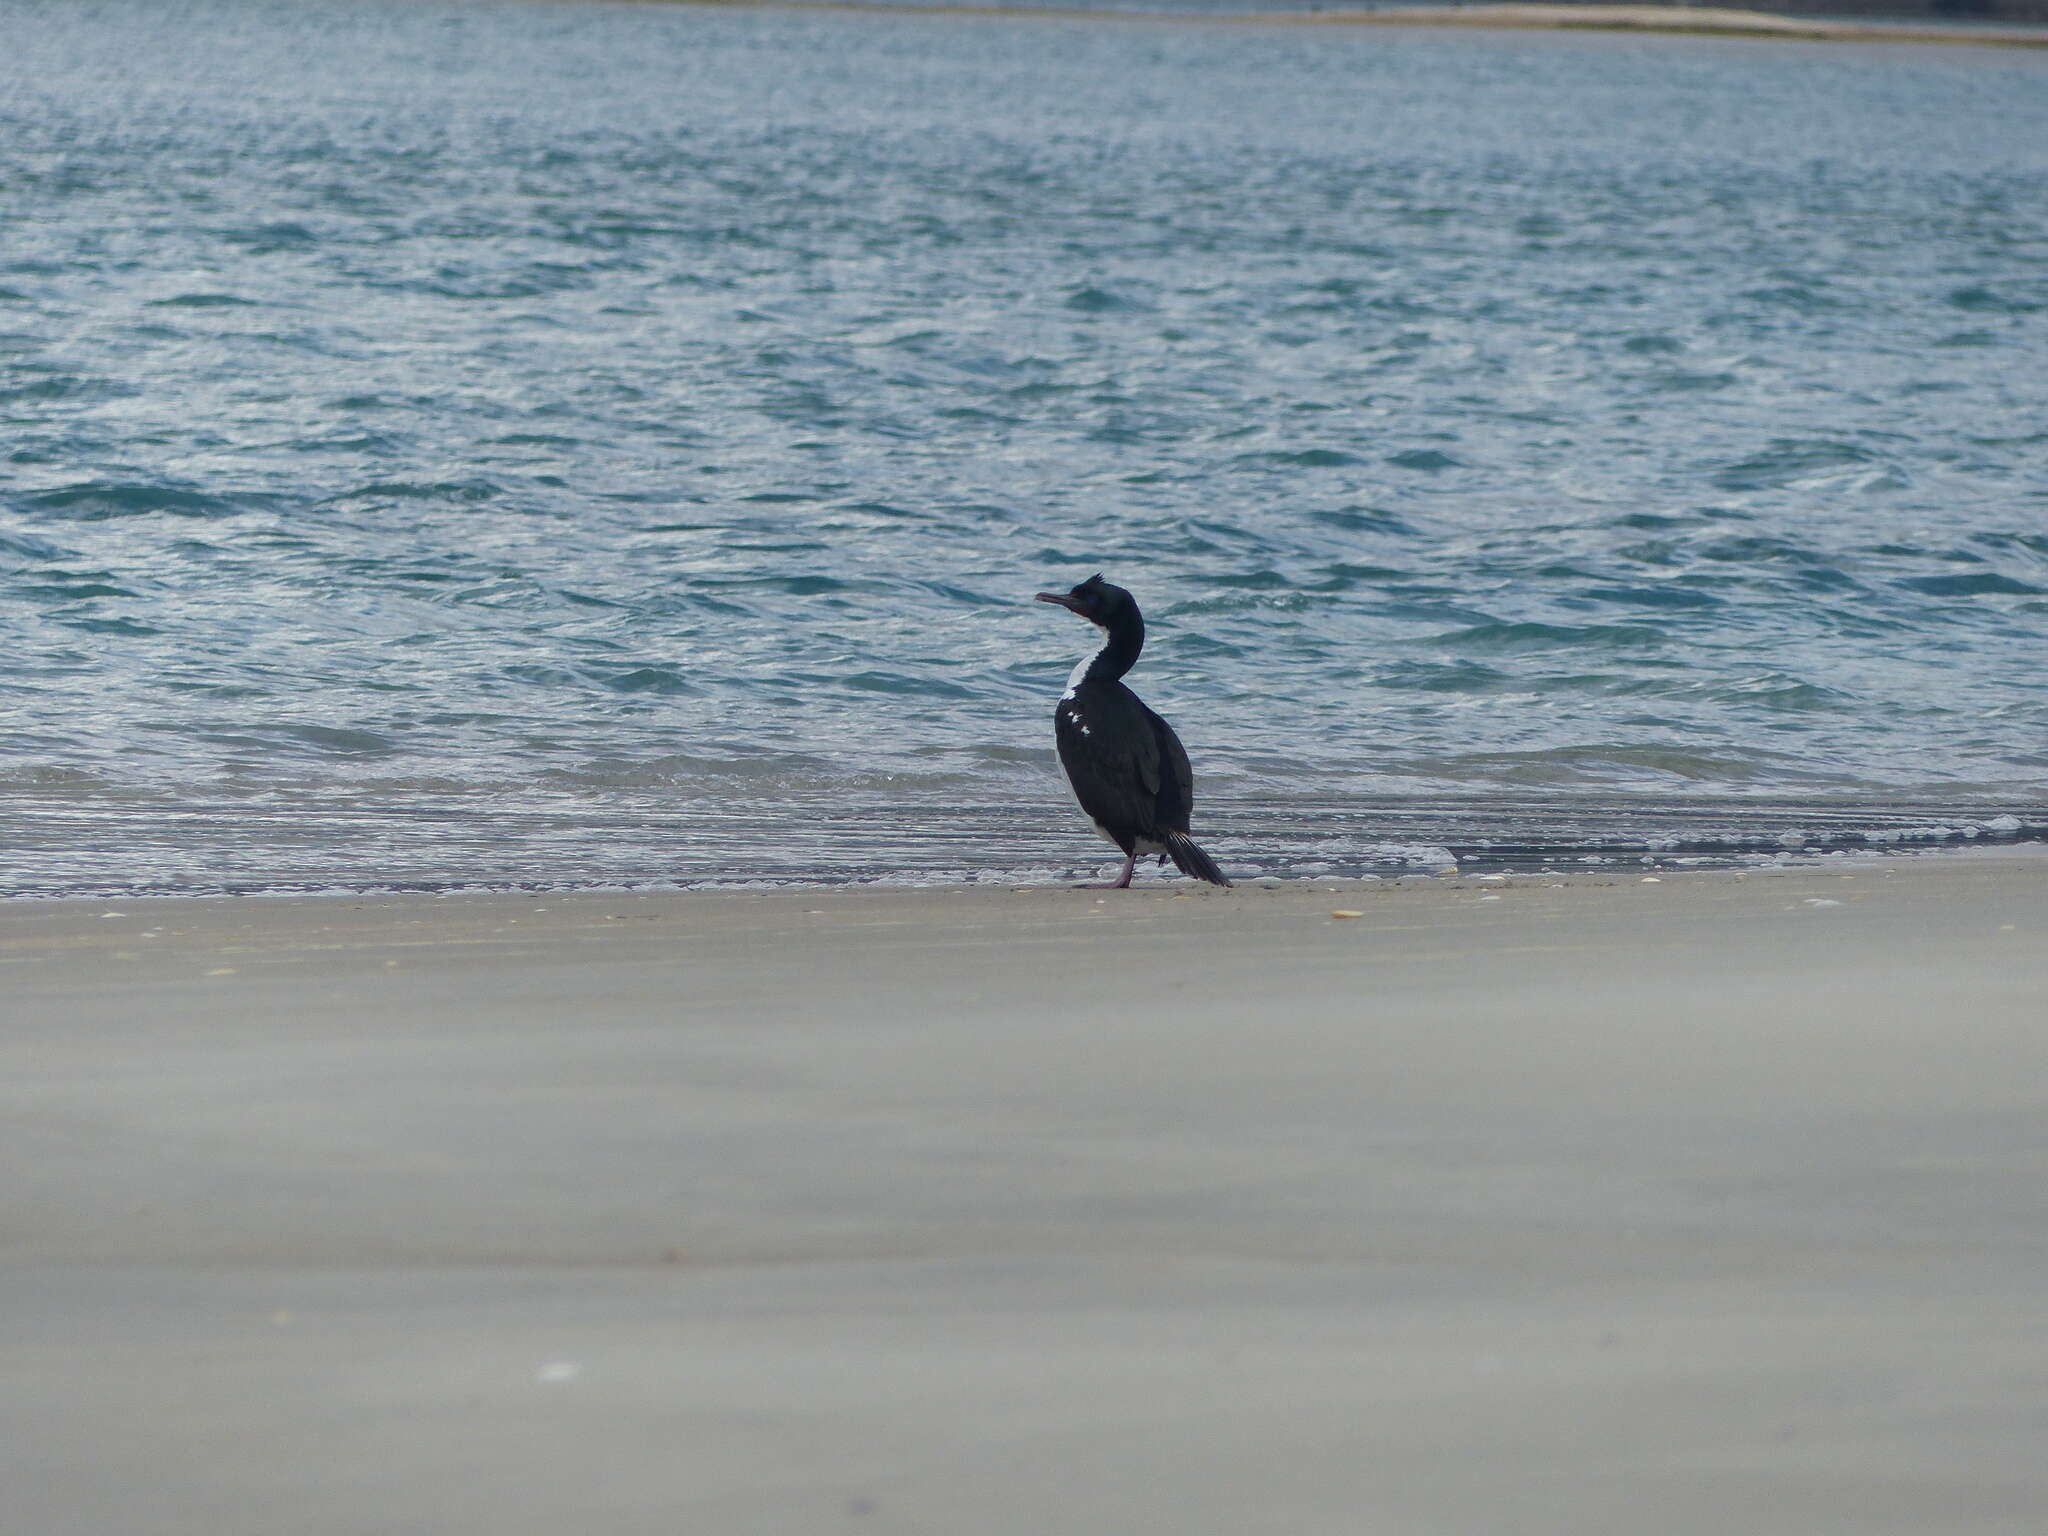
x: 548, y: 443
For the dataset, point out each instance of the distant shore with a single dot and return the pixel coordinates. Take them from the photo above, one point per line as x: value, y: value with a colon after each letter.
x: 1684, y: 21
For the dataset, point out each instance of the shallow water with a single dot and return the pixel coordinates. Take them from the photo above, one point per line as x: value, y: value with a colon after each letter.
x: 554, y: 444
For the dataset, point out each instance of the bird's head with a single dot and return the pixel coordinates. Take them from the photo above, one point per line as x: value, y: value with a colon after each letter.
x: 1094, y: 599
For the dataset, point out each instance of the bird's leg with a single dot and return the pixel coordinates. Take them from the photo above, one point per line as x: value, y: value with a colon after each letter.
x: 1121, y: 883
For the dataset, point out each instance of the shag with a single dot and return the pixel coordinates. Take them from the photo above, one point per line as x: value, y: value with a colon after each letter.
x: 1127, y: 768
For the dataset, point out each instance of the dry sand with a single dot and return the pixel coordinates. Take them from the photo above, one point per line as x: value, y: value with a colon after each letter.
x: 1715, y: 1204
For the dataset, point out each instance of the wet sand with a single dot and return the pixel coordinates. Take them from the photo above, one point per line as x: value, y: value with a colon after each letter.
x: 1717, y: 1203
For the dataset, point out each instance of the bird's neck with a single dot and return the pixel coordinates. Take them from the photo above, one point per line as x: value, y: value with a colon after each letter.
x: 1119, y: 653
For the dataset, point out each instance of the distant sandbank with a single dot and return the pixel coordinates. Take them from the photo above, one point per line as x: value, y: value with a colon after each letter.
x: 1686, y: 21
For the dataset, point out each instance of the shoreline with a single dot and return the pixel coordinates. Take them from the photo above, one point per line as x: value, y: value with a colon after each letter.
x: 1568, y: 863
x: 1705, y: 21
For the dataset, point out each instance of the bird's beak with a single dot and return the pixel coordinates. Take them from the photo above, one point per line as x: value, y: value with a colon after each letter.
x: 1062, y: 599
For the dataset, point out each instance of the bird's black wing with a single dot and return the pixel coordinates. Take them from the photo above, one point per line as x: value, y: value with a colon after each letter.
x: 1176, y: 789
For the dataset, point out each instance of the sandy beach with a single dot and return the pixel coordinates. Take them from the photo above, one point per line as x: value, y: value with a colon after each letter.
x: 1712, y: 1202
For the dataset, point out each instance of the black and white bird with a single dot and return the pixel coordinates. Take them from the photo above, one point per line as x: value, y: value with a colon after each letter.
x: 1128, y: 769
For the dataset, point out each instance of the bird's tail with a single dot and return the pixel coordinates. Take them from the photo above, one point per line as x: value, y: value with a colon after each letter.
x: 1191, y: 860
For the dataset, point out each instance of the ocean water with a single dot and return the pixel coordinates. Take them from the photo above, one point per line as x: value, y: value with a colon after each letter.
x: 561, y: 444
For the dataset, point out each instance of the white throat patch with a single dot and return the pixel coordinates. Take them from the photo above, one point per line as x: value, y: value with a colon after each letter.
x: 1081, y: 668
